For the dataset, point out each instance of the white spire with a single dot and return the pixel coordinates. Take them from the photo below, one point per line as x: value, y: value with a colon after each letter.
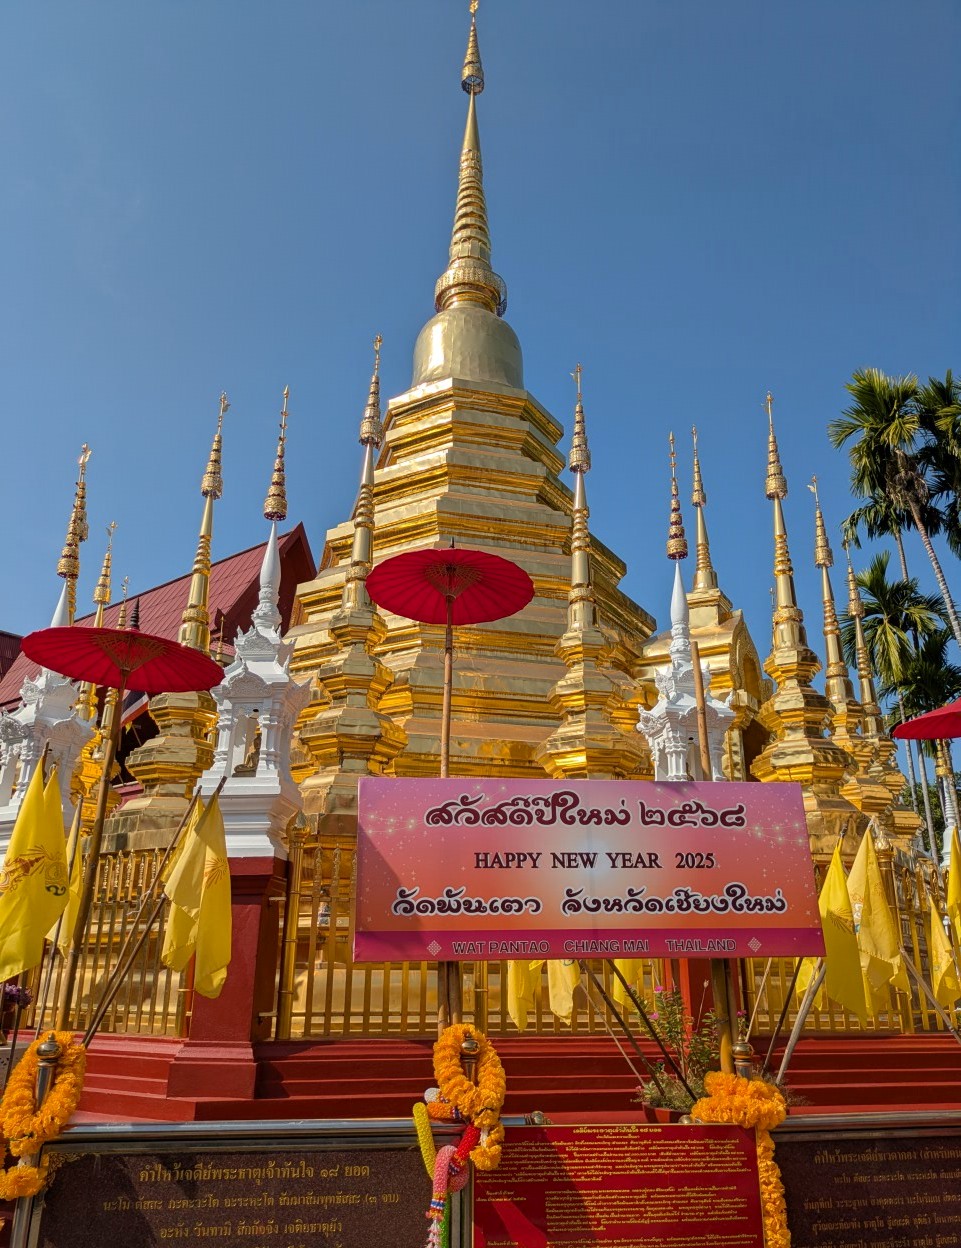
x: 266, y: 617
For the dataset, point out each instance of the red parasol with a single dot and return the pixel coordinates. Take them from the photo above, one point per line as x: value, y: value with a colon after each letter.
x: 122, y: 659
x: 478, y: 586
x: 936, y: 725
x: 118, y: 658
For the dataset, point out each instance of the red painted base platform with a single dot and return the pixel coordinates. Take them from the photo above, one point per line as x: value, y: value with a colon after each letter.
x: 134, y: 1078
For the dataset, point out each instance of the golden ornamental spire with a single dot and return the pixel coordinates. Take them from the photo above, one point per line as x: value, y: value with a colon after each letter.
x: 371, y: 425
x: 78, y: 530
x: 580, y: 456
x: 582, y: 611
x: 275, y: 504
x: 676, y: 541
x: 101, y: 595
x: 469, y: 277
x: 705, y: 577
x: 124, y: 589
x: 212, y: 485
x: 776, y: 485
x: 195, y: 621
x: 866, y: 688
x: 823, y: 554
x: 788, y: 617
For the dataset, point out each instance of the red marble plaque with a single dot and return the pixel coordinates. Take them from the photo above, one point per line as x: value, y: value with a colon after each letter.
x: 621, y: 1186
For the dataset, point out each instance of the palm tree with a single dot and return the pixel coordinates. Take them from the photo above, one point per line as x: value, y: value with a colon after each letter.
x: 939, y: 405
x: 878, y: 518
x: 886, y: 422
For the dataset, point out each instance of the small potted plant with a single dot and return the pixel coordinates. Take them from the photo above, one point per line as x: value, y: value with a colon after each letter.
x: 694, y: 1049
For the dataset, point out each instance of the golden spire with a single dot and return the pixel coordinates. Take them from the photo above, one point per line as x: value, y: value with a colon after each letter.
x: 77, y: 531
x: 101, y: 596
x: 469, y: 277
x: 371, y: 425
x: 195, y: 621
x: 705, y: 577
x: 838, y: 686
x: 776, y: 485
x: 788, y: 617
x: 122, y: 617
x: 676, y: 541
x: 580, y: 456
x: 582, y: 610
x: 275, y: 504
x: 868, y: 694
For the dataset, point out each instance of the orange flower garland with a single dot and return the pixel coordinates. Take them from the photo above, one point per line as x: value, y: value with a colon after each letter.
x: 480, y: 1103
x: 752, y: 1103
x: 27, y: 1127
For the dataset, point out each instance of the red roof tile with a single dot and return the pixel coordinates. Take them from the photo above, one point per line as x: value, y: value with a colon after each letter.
x: 234, y: 586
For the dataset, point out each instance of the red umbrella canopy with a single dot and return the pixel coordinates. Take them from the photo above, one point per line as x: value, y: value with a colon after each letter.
x: 122, y: 658
x: 479, y: 586
x: 934, y: 726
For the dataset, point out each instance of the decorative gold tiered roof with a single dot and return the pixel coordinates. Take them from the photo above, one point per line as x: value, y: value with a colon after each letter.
x: 275, y: 504
x: 796, y: 713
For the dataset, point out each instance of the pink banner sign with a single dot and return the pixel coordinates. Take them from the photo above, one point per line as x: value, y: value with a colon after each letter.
x: 493, y: 869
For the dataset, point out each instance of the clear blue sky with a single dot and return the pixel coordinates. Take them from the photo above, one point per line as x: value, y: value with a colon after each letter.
x: 699, y: 201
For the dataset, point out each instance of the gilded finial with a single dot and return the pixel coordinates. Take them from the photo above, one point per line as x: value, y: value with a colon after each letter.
x: 698, y: 496
x: 469, y: 277
x: 275, y: 504
x: 855, y: 605
x: 212, y: 485
x: 472, y: 73
x: 371, y: 425
x: 101, y: 595
x: 823, y: 554
x: 776, y: 485
x: 580, y: 456
x: 122, y: 617
x: 676, y: 541
x: 68, y: 565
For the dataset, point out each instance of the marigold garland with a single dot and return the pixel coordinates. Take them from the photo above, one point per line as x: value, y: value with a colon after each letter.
x: 461, y: 1100
x: 27, y: 1127
x: 752, y: 1103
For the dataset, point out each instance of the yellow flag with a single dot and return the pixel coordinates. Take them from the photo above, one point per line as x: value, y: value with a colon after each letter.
x: 33, y: 879
x: 877, y: 934
x: 954, y: 885
x: 630, y: 968
x: 199, y: 922
x: 73, y: 902
x: 944, y: 976
x: 562, y: 979
x: 521, y: 982
x: 842, y: 982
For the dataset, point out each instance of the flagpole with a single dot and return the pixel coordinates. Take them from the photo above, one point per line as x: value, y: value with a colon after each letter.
x: 73, y: 847
x: 93, y: 857
x: 126, y: 957
x: 812, y: 989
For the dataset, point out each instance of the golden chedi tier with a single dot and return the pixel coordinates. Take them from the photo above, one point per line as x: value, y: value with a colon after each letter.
x: 796, y: 713
x: 469, y: 454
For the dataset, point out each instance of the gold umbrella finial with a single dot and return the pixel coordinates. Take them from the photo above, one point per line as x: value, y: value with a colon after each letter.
x: 823, y: 554
x: 212, y: 484
x: 124, y: 588
x: 776, y: 483
x: 580, y: 456
x: 275, y: 504
x: 371, y: 425
x: 101, y: 595
x: 78, y: 530
x: 676, y: 540
x: 472, y: 73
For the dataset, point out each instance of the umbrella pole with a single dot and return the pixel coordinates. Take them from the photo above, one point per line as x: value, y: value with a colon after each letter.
x: 449, y: 993
x: 448, y: 690
x: 93, y: 858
